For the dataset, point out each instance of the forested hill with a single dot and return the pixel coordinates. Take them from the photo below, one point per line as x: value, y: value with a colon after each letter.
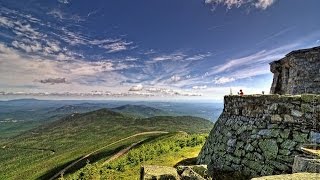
x: 44, y: 150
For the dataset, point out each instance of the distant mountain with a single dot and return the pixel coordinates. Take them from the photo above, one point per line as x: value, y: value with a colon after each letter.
x: 140, y: 110
x: 130, y: 110
x: 77, y: 108
x: 53, y: 145
x: 17, y: 116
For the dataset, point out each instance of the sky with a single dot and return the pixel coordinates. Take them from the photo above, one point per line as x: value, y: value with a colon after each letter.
x: 162, y: 48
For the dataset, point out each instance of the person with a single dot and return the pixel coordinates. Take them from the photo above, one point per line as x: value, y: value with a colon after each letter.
x: 241, y: 92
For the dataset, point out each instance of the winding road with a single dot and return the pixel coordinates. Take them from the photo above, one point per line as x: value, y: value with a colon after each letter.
x: 113, y: 157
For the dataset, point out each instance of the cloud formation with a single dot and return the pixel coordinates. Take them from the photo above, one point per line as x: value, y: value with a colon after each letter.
x: 223, y: 80
x: 117, y: 46
x: 260, y: 4
x: 53, y: 81
x: 138, y: 87
x: 64, y: 1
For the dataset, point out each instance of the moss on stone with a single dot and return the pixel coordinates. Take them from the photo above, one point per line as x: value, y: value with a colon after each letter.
x: 310, y: 97
x: 269, y: 148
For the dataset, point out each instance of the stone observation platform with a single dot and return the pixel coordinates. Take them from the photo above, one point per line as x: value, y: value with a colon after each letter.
x: 260, y: 135
x: 297, y: 73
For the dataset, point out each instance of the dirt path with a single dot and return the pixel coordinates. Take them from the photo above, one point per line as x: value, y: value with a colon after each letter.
x: 87, y: 155
x: 122, y: 152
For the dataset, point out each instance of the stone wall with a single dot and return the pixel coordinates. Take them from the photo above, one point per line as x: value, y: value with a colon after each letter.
x: 297, y: 73
x: 260, y: 135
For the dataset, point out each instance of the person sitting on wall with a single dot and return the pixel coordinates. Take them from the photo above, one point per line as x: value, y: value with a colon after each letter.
x: 241, y: 92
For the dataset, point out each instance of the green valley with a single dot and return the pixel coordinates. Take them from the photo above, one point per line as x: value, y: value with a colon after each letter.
x: 42, y: 152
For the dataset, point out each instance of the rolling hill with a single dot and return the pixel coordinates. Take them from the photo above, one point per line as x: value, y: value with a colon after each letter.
x: 43, y: 151
x: 18, y: 116
x: 140, y: 110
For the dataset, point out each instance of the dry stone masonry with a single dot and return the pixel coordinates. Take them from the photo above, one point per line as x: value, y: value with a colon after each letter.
x: 297, y: 73
x: 260, y: 134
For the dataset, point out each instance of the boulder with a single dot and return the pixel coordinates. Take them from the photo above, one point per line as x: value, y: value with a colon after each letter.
x: 306, y: 164
x: 150, y: 172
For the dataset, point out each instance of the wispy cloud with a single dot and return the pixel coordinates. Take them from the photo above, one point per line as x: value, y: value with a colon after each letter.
x: 223, y: 80
x: 118, y: 46
x: 261, y: 4
x: 64, y: 1
x: 275, y: 35
x: 59, y: 14
x: 200, y: 87
x: 170, y: 57
x: 180, y: 56
x: 175, y: 78
x: 261, y: 57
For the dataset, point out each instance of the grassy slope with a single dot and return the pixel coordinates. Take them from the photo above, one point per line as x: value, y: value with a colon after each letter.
x: 16, y: 120
x: 131, y: 171
x: 77, y: 135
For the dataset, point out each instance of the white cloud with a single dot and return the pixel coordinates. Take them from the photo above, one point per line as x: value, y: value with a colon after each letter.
x: 112, y: 45
x: 5, y: 22
x: 223, y: 80
x: 264, y: 4
x: 261, y: 57
x: 64, y: 1
x: 57, y: 13
x: 180, y: 56
x: 28, y: 47
x: 198, y: 57
x: 156, y: 91
x: 132, y: 59
x: 200, y: 87
x: 27, y: 68
x: 138, y: 87
x: 261, y: 4
x: 32, y: 40
x: 172, y: 57
x: 175, y: 78
x: 117, y: 46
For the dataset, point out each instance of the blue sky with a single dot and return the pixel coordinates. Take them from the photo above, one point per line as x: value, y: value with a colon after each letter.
x: 142, y: 47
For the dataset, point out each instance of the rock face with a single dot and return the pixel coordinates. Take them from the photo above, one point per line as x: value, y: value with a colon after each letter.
x: 261, y: 135
x: 297, y: 73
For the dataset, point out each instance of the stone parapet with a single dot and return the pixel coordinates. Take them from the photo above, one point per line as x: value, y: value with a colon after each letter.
x: 261, y: 134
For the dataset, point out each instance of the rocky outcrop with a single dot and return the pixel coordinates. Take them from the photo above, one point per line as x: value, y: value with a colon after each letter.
x: 158, y: 172
x: 260, y: 135
x: 196, y: 172
x: 297, y: 73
